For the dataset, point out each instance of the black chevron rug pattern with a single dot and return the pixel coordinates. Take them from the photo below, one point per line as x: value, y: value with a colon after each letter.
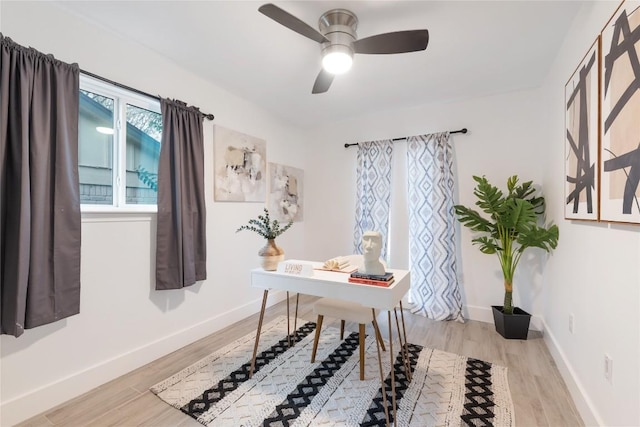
x: 287, y: 390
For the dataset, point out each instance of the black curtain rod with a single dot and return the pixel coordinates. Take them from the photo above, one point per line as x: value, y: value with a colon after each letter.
x: 463, y: 130
x: 95, y: 76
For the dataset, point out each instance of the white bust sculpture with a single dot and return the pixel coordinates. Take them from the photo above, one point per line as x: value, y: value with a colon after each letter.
x: 371, y: 247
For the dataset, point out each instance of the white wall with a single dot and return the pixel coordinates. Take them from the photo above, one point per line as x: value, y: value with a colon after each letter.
x: 595, y: 272
x: 124, y: 323
x: 504, y: 139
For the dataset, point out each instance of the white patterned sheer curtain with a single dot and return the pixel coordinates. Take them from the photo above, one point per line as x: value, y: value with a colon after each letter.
x: 435, y: 292
x: 373, y: 191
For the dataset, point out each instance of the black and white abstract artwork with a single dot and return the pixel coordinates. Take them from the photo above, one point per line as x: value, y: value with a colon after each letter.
x: 286, y: 192
x: 240, y: 163
x: 581, y: 139
x: 620, y: 116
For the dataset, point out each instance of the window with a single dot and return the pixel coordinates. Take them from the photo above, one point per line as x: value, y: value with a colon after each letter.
x: 118, y: 148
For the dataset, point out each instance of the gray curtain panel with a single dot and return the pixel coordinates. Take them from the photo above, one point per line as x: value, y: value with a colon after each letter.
x: 181, y: 251
x: 39, y: 191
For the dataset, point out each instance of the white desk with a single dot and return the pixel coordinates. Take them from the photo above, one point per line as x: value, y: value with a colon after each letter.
x: 336, y: 285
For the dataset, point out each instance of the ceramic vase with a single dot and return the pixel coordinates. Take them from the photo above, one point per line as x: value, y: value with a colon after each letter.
x: 270, y: 255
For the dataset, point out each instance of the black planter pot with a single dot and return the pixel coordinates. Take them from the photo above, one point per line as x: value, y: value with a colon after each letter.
x: 511, y: 326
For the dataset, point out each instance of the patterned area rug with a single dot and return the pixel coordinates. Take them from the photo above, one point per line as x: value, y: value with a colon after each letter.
x: 288, y: 390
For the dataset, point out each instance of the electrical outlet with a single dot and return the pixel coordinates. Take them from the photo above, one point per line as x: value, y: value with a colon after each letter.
x: 608, y: 368
x: 571, y: 322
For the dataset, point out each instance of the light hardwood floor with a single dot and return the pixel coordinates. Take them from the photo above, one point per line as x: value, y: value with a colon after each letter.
x: 539, y: 394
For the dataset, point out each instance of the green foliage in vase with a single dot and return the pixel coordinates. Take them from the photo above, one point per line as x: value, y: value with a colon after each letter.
x: 265, y: 227
x: 511, y: 227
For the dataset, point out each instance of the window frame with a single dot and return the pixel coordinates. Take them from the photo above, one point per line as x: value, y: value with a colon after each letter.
x: 121, y: 97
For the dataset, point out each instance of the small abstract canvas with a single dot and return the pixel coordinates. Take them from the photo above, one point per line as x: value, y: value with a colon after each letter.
x: 285, y: 192
x: 240, y: 167
x: 581, y: 139
x: 620, y: 116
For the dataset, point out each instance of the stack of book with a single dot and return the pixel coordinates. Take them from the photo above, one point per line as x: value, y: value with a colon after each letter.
x: 371, y: 279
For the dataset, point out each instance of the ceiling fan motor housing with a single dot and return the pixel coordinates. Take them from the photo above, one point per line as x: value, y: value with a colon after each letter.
x: 339, y: 27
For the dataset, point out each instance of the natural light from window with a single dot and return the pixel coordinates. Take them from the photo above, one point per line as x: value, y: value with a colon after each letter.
x: 117, y: 164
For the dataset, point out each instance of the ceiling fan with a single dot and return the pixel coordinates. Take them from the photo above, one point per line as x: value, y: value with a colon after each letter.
x: 339, y: 41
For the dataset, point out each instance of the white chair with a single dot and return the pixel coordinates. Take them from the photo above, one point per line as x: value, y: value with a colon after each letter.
x: 345, y: 310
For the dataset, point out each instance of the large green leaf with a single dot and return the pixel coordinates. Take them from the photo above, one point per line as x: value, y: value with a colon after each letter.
x: 519, y: 215
x: 487, y: 245
x: 525, y: 191
x: 472, y: 219
x: 512, y: 181
x: 490, y: 198
x: 539, y: 237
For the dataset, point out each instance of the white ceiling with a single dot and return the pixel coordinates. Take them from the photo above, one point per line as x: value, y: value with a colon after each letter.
x: 476, y: 48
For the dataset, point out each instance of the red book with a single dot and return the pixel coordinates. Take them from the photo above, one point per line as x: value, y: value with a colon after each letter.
x: 384, y: 283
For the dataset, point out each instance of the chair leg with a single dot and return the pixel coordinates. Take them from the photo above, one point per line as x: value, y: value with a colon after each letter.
x: 342, y: 322
x: 317, y: 338
x: 378, y: 335
x: 361, y: 338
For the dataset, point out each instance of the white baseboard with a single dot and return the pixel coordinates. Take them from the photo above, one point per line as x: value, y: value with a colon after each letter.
x: 481, y: 314
x: 583, y: 403
x: 485, y: 314
x: 48, y: 396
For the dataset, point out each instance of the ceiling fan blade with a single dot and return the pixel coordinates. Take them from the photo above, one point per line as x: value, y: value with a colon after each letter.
x: 288, y: 20
x: 323, y: 81
x: 396, y: 42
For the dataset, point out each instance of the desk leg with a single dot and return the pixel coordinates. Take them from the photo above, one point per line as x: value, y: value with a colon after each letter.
x: 288, y: 326
x: 406, y: 343
x: 403, y: 348
x: 295, y: 320
x: 393, y: 374
x: 383, y: 388
x: 255, y: 346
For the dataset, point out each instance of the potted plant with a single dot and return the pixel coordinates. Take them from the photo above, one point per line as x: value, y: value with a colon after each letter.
x: 264, y: 226
x: 512, y: 226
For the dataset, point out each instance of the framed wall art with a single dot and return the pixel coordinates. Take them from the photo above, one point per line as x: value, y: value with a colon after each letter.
x: 620, y: 116
x: 285, y: 192
x: 581, y: 139
x: 240, y: 163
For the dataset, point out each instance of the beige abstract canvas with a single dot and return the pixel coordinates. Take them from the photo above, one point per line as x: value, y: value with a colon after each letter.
x: 286, y: 192
x: 620, y: 116
x: 240, y: 167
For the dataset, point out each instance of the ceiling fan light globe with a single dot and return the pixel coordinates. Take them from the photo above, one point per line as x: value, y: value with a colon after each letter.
x: 337, y: 62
